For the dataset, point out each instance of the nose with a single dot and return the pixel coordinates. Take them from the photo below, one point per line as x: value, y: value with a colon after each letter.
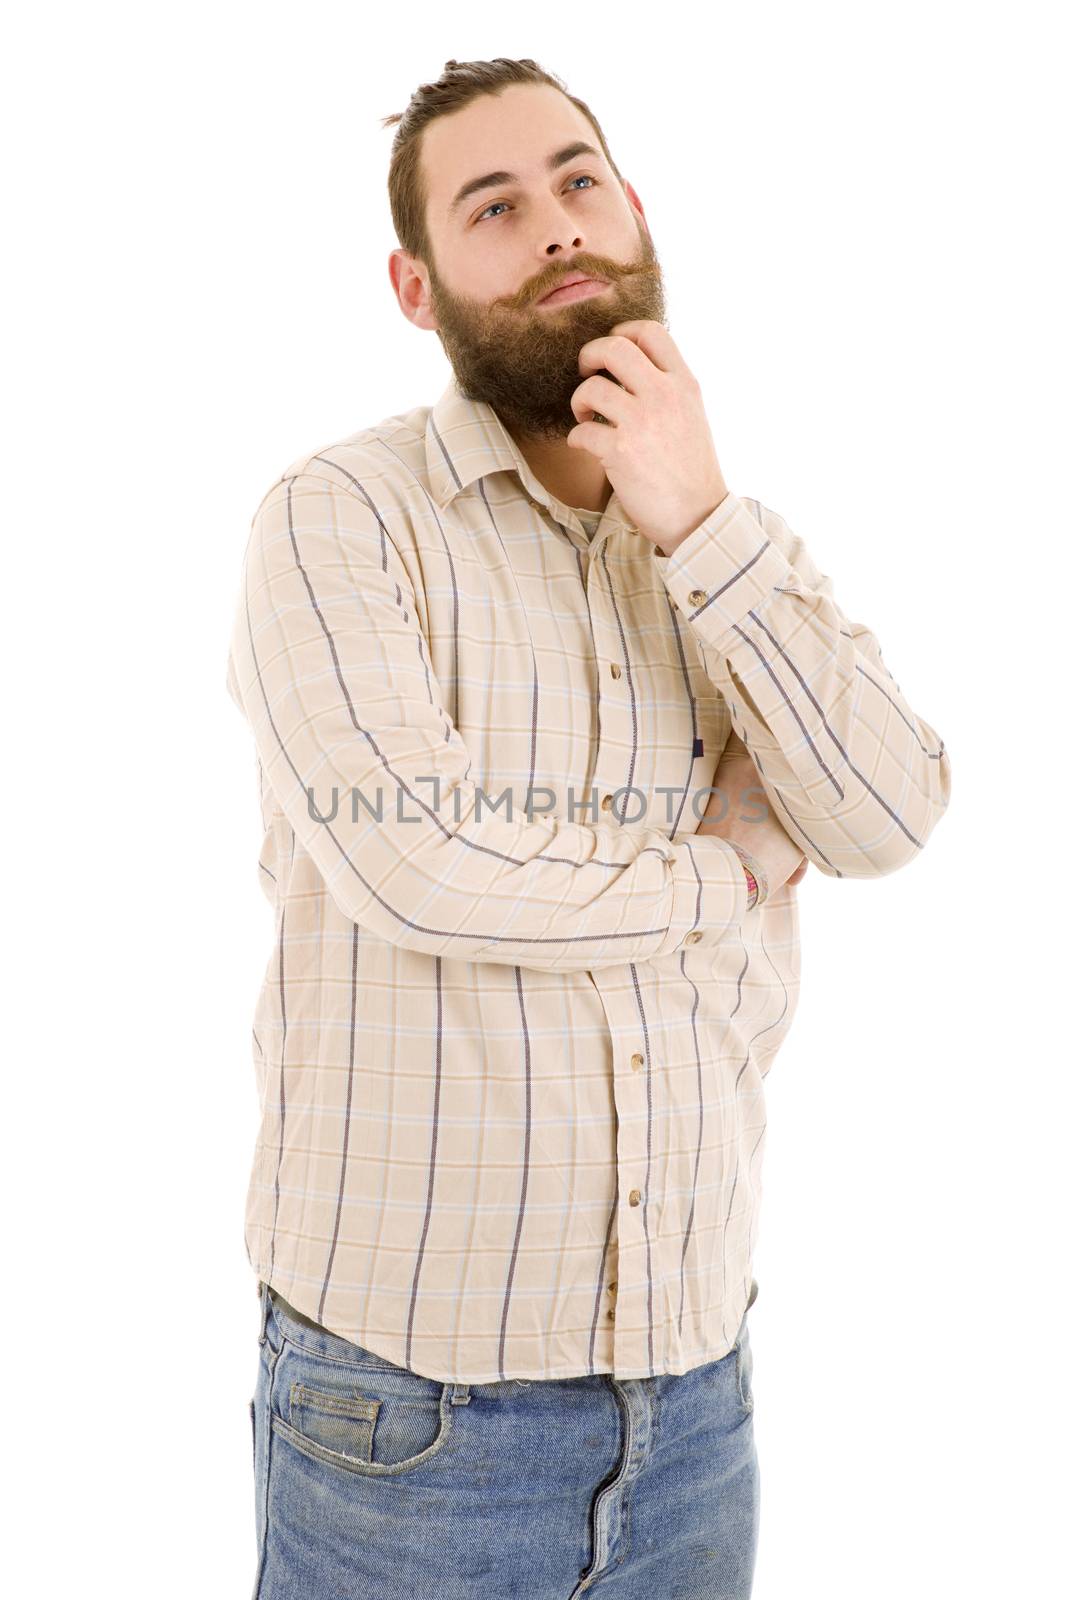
x: 559, y: 228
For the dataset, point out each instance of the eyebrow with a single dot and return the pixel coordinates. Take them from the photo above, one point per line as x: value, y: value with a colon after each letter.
x: 491, y: 180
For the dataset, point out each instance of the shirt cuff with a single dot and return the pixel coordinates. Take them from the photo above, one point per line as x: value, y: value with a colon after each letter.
x: 710, y: 890
x: 725, y: 568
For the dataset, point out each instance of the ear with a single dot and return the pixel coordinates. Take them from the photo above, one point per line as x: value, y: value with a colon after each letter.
x: 634, y: 199
x: 411, y: 285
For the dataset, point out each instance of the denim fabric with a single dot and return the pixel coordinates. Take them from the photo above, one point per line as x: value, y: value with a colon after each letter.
x: 375, y: 1483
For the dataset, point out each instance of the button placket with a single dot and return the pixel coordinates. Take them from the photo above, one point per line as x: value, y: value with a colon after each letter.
x: 613, y: 707
x: 606, y: 600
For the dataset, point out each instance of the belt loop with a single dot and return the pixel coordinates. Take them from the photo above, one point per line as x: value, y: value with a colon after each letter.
x: 461, y: 1394
x: 261, y: 1290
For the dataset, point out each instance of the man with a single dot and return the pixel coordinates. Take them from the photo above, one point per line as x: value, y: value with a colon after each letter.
x: 549, y: 722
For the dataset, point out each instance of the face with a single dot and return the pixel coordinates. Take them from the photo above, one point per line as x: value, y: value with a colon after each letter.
x: 497, y: 251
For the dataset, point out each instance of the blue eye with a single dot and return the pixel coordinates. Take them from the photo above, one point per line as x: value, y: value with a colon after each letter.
x: 581, y: 177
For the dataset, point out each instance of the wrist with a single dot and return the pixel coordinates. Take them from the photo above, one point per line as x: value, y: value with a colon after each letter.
x: 669, y: 543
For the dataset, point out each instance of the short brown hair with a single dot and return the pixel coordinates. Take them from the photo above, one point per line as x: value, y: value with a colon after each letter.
x: 459, y: 84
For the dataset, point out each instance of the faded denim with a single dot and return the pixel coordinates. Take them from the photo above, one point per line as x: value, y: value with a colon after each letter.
x: 375, y: 1483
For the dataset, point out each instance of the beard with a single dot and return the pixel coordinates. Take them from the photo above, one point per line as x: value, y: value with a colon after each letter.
x: 523, y: 360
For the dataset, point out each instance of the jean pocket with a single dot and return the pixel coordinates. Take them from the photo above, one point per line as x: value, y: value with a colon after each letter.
x: 376, y: 1419
x: 338, y: 1421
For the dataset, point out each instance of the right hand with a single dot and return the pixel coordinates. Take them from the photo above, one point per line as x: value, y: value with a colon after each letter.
x: 739, y: 795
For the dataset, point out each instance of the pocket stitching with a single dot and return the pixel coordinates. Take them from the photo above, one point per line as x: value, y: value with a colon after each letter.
x: 304, y: 1402
x: 366, y: 1469
x: 357, y: 1407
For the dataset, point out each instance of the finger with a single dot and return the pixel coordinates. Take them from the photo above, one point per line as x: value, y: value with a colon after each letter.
x: 600, y: 394
x: 592, y: 436
x: 621, y: 358
x: 656, y: 343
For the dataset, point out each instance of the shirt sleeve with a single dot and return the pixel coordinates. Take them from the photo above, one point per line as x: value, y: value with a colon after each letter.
x: 856, y: 777
x: 330, y: 667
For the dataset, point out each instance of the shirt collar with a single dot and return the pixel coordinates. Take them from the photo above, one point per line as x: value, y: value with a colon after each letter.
x: 465, y: 441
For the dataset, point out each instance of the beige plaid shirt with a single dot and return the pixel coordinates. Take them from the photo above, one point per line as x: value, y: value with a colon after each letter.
x: 511, y: 1040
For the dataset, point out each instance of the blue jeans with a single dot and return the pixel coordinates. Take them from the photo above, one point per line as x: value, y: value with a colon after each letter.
x: 375, y: 1483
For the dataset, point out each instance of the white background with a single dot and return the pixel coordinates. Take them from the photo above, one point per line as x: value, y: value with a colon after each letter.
x: 858, y: 213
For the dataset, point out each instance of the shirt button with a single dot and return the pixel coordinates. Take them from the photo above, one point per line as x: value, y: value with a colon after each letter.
x: 605, y: 804
x: 692, y: 938
x: 635, y: 1197
x: 611, y: 1313
x: 612, y: 1287
x: 697, y: 597
x: 616, y: 670
x: 637, y: 1060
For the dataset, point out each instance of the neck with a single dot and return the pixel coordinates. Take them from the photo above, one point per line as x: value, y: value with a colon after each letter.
x: 574, y: 476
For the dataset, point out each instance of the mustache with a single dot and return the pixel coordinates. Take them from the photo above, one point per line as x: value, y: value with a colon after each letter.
x: 609, y: 273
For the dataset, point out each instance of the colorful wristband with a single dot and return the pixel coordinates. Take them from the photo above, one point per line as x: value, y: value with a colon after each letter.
x: 755, y: 877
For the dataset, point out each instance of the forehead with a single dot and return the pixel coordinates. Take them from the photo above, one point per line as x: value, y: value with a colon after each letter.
x: 513, y: 131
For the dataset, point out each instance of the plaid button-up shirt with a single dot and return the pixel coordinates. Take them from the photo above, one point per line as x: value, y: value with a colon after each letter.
x: 511, y: 1040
